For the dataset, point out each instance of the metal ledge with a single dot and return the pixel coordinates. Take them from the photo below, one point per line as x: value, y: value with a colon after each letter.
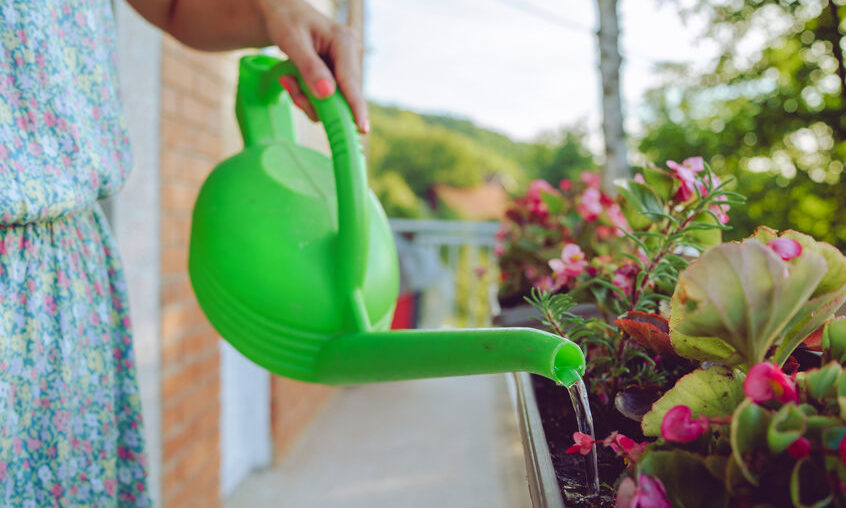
x: 543, y: 483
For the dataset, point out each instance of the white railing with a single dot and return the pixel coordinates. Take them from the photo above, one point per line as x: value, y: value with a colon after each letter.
x: 460, y: 273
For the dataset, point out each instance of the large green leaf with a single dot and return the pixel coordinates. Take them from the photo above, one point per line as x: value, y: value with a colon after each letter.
x: 686, y: 478
x: 828, y: 296
x: 745, y: 294
x: 748, y: 434
x: 704, y: 349
x: 711, y: 392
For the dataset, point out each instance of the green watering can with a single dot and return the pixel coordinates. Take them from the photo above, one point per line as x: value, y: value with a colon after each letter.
x: 293, y: 262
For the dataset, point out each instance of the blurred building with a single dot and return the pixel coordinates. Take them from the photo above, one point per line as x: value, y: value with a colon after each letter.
x: 211, y: 417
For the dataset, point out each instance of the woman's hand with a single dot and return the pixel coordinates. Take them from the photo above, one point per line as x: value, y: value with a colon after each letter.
x: 322, y: 50
x: 325, y: 52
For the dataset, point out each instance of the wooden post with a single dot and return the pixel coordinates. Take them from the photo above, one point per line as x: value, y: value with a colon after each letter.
x: 616, y: 165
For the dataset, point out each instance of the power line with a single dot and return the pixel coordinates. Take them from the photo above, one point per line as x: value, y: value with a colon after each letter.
x: 546, y: 15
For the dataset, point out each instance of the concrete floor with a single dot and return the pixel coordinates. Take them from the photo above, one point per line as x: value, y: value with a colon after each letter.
x: 439, y: 443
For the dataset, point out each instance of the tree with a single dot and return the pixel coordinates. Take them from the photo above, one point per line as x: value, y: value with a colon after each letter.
x: 774, y: 119
x: 616, y: 165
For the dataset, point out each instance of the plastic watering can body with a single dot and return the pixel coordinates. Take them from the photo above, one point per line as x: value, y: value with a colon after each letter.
x: 293, y: 262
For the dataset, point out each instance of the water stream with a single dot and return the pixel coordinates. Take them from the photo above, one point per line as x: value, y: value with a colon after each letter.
x: 579, y: 397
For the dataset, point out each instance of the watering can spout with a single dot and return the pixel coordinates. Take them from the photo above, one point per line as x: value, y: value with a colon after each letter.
x: 412, y: 354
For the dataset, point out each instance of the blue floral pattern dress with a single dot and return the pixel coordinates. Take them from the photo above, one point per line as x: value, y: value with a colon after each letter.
x: 70, y: 416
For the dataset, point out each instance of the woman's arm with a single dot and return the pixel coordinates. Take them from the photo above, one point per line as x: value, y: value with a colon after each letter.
x: 312, y: 41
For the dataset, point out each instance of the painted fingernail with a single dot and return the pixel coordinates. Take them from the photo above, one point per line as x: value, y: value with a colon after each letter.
x: 286, y: 84
x: 324, y: 88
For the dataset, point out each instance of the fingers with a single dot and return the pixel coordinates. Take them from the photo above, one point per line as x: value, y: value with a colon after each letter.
x: 290, y: 84
x: 315, y: 73
x: 345, y: 52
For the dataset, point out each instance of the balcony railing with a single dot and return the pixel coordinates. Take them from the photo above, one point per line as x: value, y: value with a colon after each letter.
x: 458, y: 285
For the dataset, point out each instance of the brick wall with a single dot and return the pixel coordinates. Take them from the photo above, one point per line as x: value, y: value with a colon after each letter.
x: 191, y: 141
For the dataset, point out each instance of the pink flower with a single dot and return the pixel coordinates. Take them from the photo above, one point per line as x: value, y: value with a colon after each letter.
x: 590, y: 205
x: 547, y: 283
x: 648, y: 492
x: 565, y: 184
x: 800, y: 448
x: 842, y: 450
x: 787, y: 248
x: 571, y: 263
x: 625, y: 445
x: 535, y: 204
x: 639, y: 178
x: 624, y: 277
x: 584, y: 444
x: 766, y: 382
x: 591, y: 179
x: 615, y: 215
x: 686, y: 173
x: 679, y: 427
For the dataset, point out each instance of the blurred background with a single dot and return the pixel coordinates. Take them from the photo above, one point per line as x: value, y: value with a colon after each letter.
x: 470, y: 100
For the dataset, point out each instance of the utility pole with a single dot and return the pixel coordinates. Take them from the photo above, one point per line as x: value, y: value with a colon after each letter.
x: 616, y: 163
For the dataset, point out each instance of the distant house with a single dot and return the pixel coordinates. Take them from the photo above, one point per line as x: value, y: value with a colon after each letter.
x: 485, y: 202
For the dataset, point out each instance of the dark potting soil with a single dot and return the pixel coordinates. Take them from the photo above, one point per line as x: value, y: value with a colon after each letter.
x: 559, y: 424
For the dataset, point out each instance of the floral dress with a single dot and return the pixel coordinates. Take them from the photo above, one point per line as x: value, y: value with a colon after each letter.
x: 70, y: 418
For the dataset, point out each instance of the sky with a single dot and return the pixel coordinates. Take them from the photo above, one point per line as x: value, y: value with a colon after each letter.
x: 519, y: 67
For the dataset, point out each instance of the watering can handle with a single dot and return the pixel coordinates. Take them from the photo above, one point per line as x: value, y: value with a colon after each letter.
x: 259, y: 91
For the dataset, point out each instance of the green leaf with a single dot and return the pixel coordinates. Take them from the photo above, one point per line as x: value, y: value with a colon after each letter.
x: 745, y: 294
x: 832, y: 437
x: 706, y: 349
x: 834, y: 340
x: 661, y: 181
x: 638, y: 200
x: 787, y: 425
x: 708, y: 234
x: 821, y: 383
x: 808, y: 488
x: 553, y: 202
x: 828, y: 296
x: 748, y: 436
x: 712, y: 392
x: 686, y: 478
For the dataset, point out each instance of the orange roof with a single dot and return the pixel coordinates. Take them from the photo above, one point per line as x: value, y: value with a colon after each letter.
x: 486, y: 202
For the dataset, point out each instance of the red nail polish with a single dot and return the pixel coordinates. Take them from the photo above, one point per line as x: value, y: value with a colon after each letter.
x: 324, y: 88
x: 285, y: 84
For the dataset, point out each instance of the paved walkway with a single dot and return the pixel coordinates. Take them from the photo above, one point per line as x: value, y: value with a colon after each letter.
x: 437, y: 443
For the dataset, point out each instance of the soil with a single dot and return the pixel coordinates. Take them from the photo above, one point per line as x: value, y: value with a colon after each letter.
x: 559, y: 424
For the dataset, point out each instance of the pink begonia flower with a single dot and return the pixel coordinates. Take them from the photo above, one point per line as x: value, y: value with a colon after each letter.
x: 624, y: 277
x: 535, y: 203
x: 615, y: 215
x: 625, y: 445
x: 590, y: 206
x: 766, y: 382
x: 787, y: 248
x: 800, y: 448
x: 591, y: 179
x: 584, y: 444
x: 565, y: 184
x: 648, y: 492
x: 842, y: 450
x: 720, y: 210
x: 571, y: 263
x: 639, y: 178
x: 547, y: 283
x: 679, y: 427
x: 686, y: 173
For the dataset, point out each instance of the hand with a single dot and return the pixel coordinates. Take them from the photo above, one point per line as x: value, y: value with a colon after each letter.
x: 320, y: 48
